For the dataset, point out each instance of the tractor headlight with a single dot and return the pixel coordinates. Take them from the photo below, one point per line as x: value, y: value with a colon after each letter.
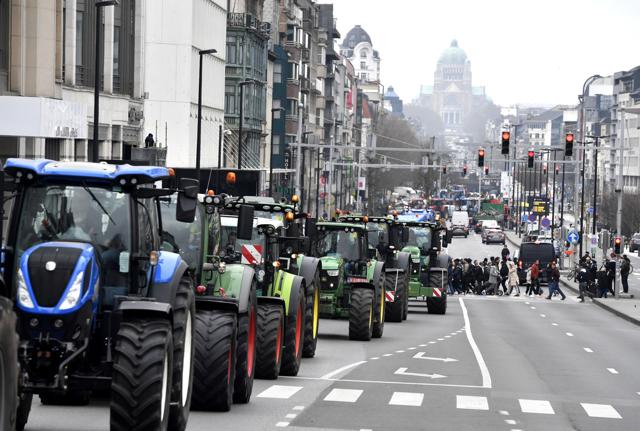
x: 73, y: 296
x: 333, y: 272
x: 24, y: 298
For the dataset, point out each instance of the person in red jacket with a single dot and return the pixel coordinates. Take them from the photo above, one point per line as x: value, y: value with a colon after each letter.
x: 535, y: 278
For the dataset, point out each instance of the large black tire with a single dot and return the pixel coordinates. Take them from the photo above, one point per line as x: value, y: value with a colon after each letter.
x: 184, y: 314
x: 395, y: 308
x: 75, y: 398
x: 405, y: 302
x: 437, y: 305
x: 214, y: 364
x: 313, y: 318
x: 294, y: 338
x: 8, y: 366
x: 141, y: 375
x: 378, y: 310
x: 246, y: 351
x: 361, y: 314
x: 269, y: 343
x: 24, y: 408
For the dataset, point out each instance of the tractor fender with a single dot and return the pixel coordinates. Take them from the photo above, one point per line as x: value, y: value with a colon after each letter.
x: 145, y: 308
x: 288, y: 287
x: 167, y: 275
x: 404, y: 259
x: 216, y: 303
x: 246, y: 284
x: 308, y: 270
x: 272, y: 300
x: 441, y: 261
x: 377, y: 273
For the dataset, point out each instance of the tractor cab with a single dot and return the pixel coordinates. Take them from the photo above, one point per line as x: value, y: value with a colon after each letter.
x: 343, y: 244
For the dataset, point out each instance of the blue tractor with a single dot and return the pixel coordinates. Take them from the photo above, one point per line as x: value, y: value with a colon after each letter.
x: 99, y: 306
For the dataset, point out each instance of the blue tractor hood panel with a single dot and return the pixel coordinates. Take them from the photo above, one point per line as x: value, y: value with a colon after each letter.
x: 84, y: 274
x: 96, y: 171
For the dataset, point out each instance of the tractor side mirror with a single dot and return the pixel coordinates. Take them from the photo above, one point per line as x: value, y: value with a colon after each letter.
x: 245, y: 222
x: 187, y: 200
x: 310, y: 229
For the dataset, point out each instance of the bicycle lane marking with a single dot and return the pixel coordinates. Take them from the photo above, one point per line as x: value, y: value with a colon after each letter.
x: 486, y: 377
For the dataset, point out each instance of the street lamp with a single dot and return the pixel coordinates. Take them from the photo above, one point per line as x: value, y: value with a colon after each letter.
x: 199, y: 133
x: 273, y: 111
x: 96, y: 77
x: 241, y: 85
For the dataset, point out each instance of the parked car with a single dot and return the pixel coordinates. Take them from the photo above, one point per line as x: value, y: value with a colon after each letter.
x: 634, y: 243
x: 494, y: 236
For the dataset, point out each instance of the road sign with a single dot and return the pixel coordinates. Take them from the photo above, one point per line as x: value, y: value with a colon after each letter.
x: 532, y: 217
x: 594, y: 239
x: 573, y: 237
x: 545, y: 222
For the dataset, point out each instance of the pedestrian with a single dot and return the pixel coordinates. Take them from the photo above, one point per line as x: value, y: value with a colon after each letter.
x: 584, y: 278
x: 494, y: 277
x: 457, y: 277
x: 610, y: 267
x: 554, y: 281
x: 625, y: 268
x: 535, y: 278
x: 504, y: 275
x: 479, y: 277
x: 514, y: 280
x: 505, y: 252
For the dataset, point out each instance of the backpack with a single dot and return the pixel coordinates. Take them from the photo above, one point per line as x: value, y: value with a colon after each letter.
x: 504, y: 269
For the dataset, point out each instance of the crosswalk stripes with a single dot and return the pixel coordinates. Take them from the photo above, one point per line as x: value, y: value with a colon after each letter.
x: 416, y: 399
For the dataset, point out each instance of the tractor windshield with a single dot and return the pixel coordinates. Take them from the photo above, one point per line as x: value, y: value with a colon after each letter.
x: 182, y: 238
x: 348, y: 245
x: 420, y: 237
x: 377, y: 234
x: 233, y: 249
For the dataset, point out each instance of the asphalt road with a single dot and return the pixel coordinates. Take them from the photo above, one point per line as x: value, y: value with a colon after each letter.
x: 489, y: 364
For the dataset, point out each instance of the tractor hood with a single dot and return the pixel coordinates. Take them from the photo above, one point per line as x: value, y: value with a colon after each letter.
x: 413, y: 251
x: 329, y: 263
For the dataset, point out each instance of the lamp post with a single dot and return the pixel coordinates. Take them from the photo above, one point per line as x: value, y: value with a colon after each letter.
x: 98, y: 66
x: 273, y: 111
x: 199, y: 130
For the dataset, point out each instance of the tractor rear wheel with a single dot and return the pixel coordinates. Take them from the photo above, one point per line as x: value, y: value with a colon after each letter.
x: 313, y: 318
x: 215, y: 360
x: 379, y: 308
x: 141, y: 375
x: 437, y: 305
x: 269, y: 341
x: 394, y: 309
x: 184, y: 314
x: 246, y: 352
x: 405, y: 302
x: 8, y: 366
x: 361, y: 314
x: 294, y: 337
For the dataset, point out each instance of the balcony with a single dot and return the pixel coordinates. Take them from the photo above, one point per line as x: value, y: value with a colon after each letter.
x: 305, y: 85
x: 249, y: 22
x: 335, y: 33
x: 306, y: 55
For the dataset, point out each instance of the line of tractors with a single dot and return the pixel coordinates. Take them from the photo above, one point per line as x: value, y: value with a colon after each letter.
x: 126, y: 282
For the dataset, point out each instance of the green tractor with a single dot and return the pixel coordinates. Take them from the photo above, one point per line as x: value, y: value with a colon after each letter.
x: 352, y: 280
x: 386, y: 235
x: 428, y: 265
x: 287, y: 326
x: 226, y: 305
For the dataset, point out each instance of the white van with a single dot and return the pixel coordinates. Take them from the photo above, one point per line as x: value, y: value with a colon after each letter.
x: 460, y: 223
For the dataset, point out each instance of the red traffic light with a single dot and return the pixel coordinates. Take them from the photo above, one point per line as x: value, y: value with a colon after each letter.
x: 506, y: 135
x: 618, y: 240
x: 481, y: 153
x: 531, y: 153
x: 569, y: 137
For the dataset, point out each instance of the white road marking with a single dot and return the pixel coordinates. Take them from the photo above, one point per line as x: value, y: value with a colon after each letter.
x: 423, y: 345
x: 440, y: 339
x: 432, y: 342
x: 298, y: 408
x: 279, y: 391
x: 536, y: 406
x: 554, y: 324
x: 374, y: 358
x: 447, y: 336
x: 533, y: 308
x: 468, y: 402
x: 341, y: 369
x: 344, y: 395
x: 385, y: 382
x: 588, y: 350
x: 543, y: 315
x: 486, y: 377
x: 601, y: 411
x: 510, y: 421
x: 420, y: 355
x: 399, y: 351
x: 387, y: 354
x: 569, y: 334
x: 411, y: 348
x: 291, y: 416
x: 411, y: 399
x: 403, y: 372
x: 527, y: 303
x: 504, y: 412
x: 612, y: 370
x: 282, y: 424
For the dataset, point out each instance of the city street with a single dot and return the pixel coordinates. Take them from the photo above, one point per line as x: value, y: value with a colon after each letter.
x: 491, y: 363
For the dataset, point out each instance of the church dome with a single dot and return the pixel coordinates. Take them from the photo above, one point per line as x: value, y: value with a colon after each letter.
x: 355, y: 36
x: 453, y: 55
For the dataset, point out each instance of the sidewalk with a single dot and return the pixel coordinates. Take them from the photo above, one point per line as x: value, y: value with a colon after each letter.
x: 627, y: 308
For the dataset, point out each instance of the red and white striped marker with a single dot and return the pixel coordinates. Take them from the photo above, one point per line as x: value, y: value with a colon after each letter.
x: 251, y: 254
x: 437, y: 292
x: 389, y: 296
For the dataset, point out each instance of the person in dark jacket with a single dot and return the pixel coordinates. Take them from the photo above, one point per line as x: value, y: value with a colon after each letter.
x: 625, y: 268
x: 610, y: 267
x: 504, y: 275
x: 505, y: 252
x: 457, y: 277
x: 554, y: 281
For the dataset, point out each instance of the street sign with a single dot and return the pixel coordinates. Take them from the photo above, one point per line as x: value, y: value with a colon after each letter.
x: 532, y: 217
x: 573, y: 237
x: 362, y: 183
x: 594, y: 239
x: 545, y: 222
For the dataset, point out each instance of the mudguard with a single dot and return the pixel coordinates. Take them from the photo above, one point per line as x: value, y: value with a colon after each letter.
x: 403, y: 261
x: 167, y: 275
x: 442, y: 261
x: 288, y: 286
x: 308, y: 269
x: 216, y: 303
x: 237, y: 280
x: 138, y: 308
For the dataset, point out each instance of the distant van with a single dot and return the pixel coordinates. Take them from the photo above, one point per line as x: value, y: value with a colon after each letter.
x: 530, y: 251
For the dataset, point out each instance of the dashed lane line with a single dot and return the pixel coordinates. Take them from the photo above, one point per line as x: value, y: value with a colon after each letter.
x: 409, y: 399
x: 279, y: 391
x: 613, y: 371
x: 468, y: 402
x: 341, y: 369
x: 282, y: 424
x: 569, y: 334
x: 588, y: 350
x: 344, y: 395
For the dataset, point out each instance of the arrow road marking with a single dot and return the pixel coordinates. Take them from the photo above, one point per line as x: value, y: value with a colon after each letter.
x: 420, y: 355
x: 403, y: 372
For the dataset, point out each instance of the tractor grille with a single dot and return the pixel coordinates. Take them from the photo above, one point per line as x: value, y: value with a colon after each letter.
x: 48, y: 286
x: 415, y: 268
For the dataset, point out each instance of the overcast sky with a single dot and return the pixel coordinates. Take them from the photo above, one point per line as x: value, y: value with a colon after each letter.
x: 528, y: 52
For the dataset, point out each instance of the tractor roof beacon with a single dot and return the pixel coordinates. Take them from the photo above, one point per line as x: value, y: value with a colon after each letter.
x: 99, y: 305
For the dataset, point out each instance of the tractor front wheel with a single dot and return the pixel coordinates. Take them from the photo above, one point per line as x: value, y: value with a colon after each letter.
x: 294, y: 337
x: 269, y: 344
x: 361, y: 314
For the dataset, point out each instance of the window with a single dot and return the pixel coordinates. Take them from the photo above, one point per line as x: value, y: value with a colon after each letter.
x: 292, y: 107
x: 230, y: 99
x: 294, y: 71
x: 4, y: 43
x: 85, y: 42
x: 277, y: 73
x: 123, y: 47
x: 364, y: 53
x: 231, y: 50
x: 275, y: 145
x: 363, y: 65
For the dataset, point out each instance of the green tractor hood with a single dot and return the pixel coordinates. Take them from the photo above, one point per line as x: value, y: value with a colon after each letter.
x: 413, y: 251
x: 329, y: 263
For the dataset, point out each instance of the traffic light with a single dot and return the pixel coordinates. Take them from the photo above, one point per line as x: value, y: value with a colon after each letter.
x: 531, y: 154
x: 506, y: 137
x: 444, y: 170
x: 480, y: 158
x: 568, y: 145
x: 544, y: 169
x: 617, y: 245
x: 557, y: 169
x: 486, y: 170
x: 464, y: 171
